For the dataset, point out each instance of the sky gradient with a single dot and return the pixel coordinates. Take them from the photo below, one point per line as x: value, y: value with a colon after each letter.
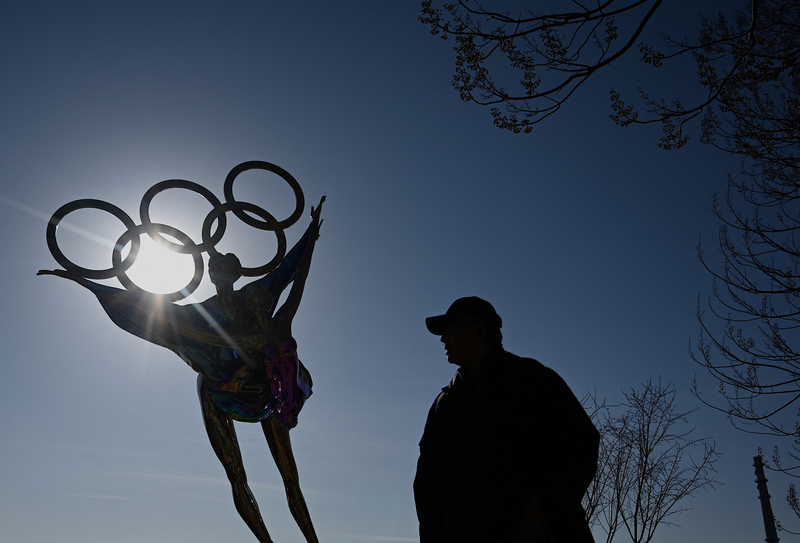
x: 582, y: 234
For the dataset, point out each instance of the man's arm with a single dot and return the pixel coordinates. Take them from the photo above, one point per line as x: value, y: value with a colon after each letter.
x: 571, y: 438
x: 427, y: 488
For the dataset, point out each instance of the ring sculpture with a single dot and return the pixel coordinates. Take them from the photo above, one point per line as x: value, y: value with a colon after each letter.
x: 238, y: 342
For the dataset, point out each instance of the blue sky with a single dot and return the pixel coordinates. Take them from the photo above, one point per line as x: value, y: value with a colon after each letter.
x: 582, y: 235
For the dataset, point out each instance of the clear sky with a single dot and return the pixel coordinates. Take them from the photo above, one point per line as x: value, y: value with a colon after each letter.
x: 582, y: 235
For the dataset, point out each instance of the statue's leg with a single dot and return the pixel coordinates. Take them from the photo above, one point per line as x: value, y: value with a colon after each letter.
x: 277, y: 434
x: 223, y: 440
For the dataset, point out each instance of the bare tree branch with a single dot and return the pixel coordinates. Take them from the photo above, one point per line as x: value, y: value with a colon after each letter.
x: 531, y: 62
x: 648, y: 462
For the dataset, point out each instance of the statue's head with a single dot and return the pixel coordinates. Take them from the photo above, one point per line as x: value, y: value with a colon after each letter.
x: 224, y: 268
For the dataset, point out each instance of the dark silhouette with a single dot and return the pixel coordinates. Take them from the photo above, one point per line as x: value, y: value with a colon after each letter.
x: 508, y: 451
x: 246, y: 358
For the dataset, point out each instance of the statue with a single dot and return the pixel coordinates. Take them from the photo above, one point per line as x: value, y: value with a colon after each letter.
x: 240, y: 345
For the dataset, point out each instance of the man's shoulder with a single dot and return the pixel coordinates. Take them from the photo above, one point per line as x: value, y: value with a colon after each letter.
x: 524, y: 364
x: 530, y: 369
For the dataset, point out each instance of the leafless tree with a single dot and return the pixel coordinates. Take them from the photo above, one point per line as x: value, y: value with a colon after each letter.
x: 649, y: 462
x: 756, y: 298
x: 531, y: 62
x: 526, y: 62
x: 750, y: 324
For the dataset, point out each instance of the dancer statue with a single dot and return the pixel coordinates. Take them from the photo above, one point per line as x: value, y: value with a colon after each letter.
x: 244, y: 353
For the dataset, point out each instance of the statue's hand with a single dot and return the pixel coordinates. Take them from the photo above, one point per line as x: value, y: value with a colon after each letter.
x: 224, y: 269
x: 61, y: 273
x: 315, y: 213
x: 66, y: 275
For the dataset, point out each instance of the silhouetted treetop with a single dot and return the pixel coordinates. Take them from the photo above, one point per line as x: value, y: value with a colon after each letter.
x: 525, y: 63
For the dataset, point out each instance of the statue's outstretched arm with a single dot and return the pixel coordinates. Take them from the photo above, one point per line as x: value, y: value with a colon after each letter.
x: 289, y: 308
x: 67, y: 275
x: 138, y: 313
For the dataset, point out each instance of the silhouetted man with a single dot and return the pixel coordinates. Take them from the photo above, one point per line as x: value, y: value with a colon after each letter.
x: 508, y: 451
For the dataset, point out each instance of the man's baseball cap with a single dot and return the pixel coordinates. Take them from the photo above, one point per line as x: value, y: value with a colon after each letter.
x: 476, y: 308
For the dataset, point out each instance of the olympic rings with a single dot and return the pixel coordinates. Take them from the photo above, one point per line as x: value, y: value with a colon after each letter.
x: 144, y: 214
x: 260, y: 165
x: 68, y: 265
x: 241, y: 207
x: 185, y: 244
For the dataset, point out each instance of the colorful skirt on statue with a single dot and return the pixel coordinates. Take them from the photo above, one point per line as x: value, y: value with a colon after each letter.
x: 251, y: 396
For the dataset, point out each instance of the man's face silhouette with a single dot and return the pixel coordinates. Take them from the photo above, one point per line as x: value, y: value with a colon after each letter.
x: 463, y: 343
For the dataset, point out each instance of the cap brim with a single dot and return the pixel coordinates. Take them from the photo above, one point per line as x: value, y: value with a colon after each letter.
x: 437, y: 325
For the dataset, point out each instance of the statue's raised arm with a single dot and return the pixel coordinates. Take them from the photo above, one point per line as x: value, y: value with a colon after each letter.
x: 288, y: 310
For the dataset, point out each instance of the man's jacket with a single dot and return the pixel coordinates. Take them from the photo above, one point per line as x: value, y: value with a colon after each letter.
x: 492, y: 442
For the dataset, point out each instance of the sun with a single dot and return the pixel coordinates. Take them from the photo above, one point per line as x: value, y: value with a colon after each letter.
x: 159, y: 270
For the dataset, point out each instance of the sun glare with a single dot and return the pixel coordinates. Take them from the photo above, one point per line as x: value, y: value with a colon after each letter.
x: 159, y: 270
